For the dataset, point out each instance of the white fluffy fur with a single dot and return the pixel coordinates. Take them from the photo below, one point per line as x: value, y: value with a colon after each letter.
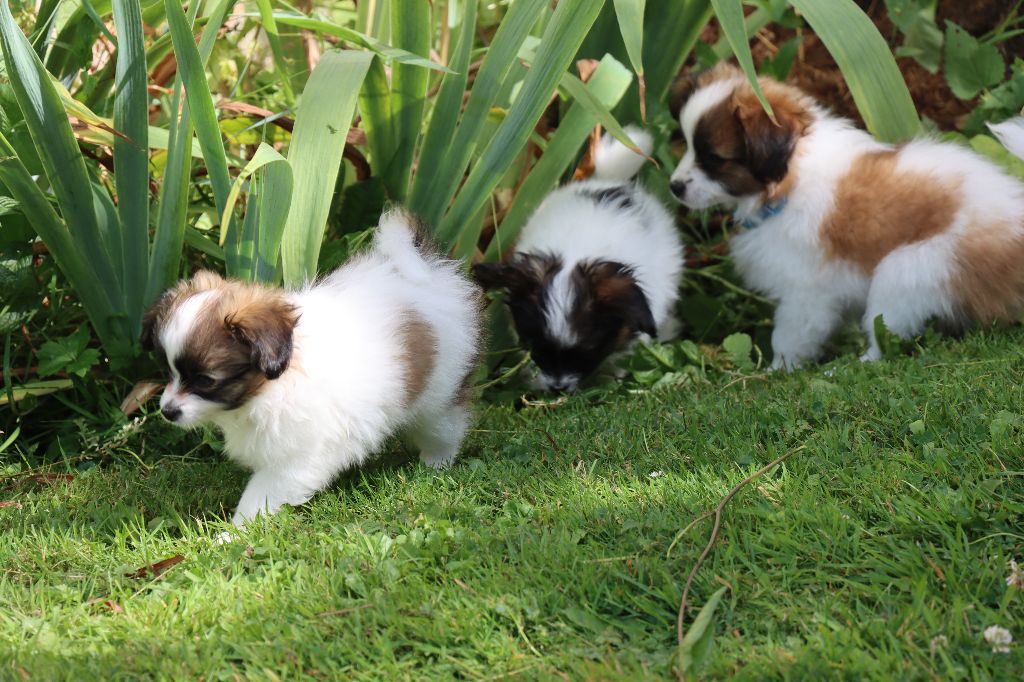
x: 782, y: 257
x: 572, y: 226
x: 342, y: 394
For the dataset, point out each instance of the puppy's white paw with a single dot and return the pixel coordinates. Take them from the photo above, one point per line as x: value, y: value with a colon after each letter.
x: 437, y: 462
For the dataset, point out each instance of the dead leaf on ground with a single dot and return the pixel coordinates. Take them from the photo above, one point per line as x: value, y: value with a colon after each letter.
x: 139, y: 395
x: 157, y: 568
x: 8, y: 503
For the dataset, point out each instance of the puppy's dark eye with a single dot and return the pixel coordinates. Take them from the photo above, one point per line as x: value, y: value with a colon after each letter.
x: 203, y: 381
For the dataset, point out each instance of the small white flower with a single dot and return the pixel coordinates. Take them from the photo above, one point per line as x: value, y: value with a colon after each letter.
x: 999, y: 638
x: 656, y: 474
x: 938, y: 642
x: 1016, y: 577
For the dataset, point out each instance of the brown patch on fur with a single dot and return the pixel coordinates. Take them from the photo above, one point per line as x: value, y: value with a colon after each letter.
x: 879, y: 207
x: 419, y: 350
x: 989, y: 282
x: 241, y: 338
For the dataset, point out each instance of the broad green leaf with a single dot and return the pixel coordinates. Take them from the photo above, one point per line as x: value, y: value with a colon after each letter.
x: 922, y: 37
x: 562, y: 37
x: 322, y: 123
x: 607, y: 85
x: 434, y: 188
x: 738, y: 347
x: 274, y: 186
x: 264, y: 154
x: 696, y: 644
x: 971, y: 66
x: 131, y: 155
x: 867, y: 64
x: 410, y: 30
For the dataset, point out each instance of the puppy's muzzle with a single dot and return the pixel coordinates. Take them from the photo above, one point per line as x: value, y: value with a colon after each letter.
x: 171, y: 413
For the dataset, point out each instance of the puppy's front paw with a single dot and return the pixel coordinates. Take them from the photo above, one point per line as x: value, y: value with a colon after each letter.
x: 437, y: 462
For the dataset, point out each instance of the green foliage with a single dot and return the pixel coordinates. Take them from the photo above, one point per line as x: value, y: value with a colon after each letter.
x: 922, y: 36
x: 69, y: 354
x: 970, y: 64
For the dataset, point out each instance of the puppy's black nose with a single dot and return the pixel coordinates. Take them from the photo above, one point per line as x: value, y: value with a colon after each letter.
x: 678, y: 188
x: 171, y: 413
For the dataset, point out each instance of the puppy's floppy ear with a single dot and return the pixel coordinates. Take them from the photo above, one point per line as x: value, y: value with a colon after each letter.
x: 770, y: 144
x: 522, y: 276
x: 494, y: 275
x: 615, y: 291
x: 264, y: 321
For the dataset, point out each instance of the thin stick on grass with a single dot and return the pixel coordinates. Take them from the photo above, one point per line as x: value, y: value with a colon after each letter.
x: 717, y: 512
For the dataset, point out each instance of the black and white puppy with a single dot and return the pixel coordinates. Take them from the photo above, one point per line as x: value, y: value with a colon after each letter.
x: 597, y: 266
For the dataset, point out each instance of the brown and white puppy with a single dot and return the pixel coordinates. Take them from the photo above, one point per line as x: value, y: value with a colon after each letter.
x: 305, y: 384
x: 838, y: 223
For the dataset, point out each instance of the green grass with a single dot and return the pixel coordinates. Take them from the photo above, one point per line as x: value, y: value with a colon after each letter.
x: 878, y: 552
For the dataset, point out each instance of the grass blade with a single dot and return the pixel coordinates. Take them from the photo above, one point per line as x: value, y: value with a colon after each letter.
x: 410, y: 31
x: 131, y: 156
x: 730, y: 18
x: 274, y: 186
x: 265, y: 154
x: 324, y: 117
x: 607, y: 85
x: 867, y: 64
x: 562, y: 38
x: 440, y: 183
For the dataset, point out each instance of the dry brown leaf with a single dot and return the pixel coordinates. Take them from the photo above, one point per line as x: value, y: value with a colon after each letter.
x: 139, y: 395
x: 157, y: 568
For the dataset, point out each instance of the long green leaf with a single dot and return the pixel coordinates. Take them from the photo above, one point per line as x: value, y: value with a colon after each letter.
x: 562, y: 38
x: 447, y: 107
x: 322, y: 123
x: 410, y: 31
x: 274, y: 38
x: 131, y: 155
x: 730, y: 18
x: 264, y: 155
x: 630, y: 14
x: 579, y: 92
x: 375, y: 114
x: 607, y: 85
x: 867, y: 64
x: 200, y: 103
x: 434, y: 188
x: 697, y: 642
x: 58, y: 151
x: 388, y: 52
x: 171, y: 233
x: 274, y: 187
x: 34, y: 205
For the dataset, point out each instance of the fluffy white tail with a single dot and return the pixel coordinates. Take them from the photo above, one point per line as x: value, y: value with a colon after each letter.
x: 615, y: 161
x: 399, y: 240
x: 1011, y: 134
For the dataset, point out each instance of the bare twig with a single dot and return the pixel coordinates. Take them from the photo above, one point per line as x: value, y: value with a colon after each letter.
x: 717, y: 513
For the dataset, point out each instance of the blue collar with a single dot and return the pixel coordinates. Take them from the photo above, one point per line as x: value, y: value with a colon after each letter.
x: 768, y: 210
